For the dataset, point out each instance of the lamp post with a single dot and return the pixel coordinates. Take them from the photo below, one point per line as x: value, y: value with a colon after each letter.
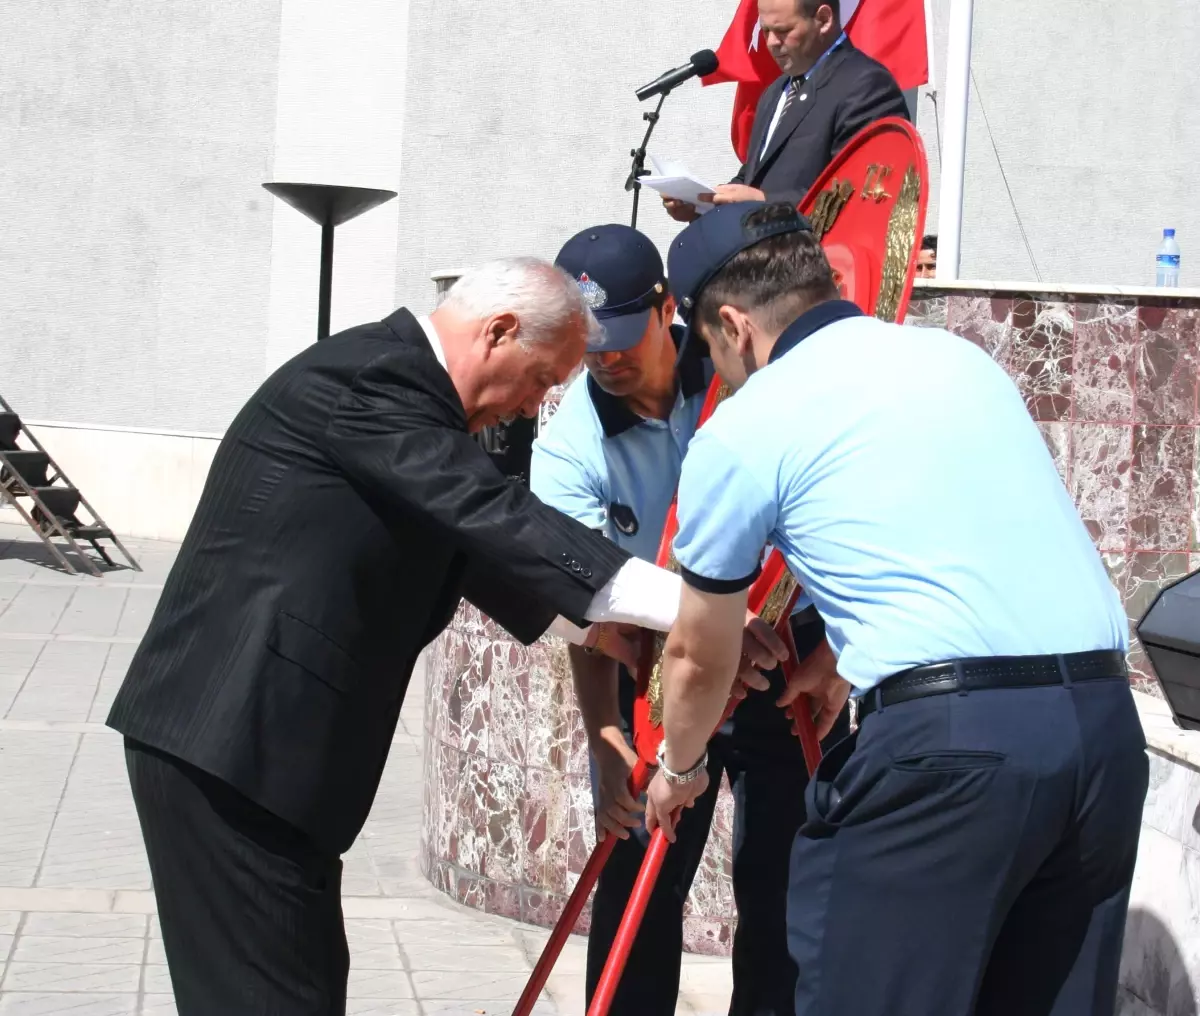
x: 328, y: 206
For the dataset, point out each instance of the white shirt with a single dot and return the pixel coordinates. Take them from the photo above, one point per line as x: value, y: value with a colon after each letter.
x: 434, y: 340
x: 639, y: 593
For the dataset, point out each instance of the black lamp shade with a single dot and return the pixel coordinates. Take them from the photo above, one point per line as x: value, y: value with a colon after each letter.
x: 1170, y: 633
x: 327, y: 203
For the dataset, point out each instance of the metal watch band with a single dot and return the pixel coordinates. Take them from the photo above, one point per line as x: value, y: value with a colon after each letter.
x: 673, y: 777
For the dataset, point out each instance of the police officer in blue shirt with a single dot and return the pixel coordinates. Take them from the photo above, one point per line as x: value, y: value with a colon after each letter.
x: 969, y: 850
x: 611, y: 457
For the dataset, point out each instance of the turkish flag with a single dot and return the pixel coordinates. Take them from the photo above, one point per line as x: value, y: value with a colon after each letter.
x: 890, y: 31
x: 743, y: 57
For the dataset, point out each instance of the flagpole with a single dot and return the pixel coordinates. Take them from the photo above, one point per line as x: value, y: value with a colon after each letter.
x: 954, y: 150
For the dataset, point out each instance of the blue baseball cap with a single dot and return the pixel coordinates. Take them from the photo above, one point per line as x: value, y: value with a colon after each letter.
x: 710, y: 242
x: 621, y: 275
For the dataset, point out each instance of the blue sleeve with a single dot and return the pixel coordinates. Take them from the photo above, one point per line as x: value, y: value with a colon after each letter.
x: 560, y: 478
x: 725, y: 517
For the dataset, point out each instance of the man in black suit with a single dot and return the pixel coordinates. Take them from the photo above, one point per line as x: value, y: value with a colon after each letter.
x: 346, y: 513
x: 827, y: 93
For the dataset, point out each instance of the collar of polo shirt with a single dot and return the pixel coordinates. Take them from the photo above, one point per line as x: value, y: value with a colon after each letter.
x: 812, y: 320
x: 616, y: 417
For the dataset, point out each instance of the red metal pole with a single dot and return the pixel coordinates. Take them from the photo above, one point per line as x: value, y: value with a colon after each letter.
x: 806, y: 728
x: 631, y: 921
x: 639, y: 780
x: 635, y: 909
x: 651, y: 865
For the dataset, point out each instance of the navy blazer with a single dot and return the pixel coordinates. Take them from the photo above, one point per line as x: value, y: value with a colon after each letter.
x: 847, y: 92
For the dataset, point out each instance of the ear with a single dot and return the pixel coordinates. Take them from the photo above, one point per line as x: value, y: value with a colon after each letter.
x: 735, y: 329
x: 825, y: 18
x: 501, y: 328
x: 668, y: 309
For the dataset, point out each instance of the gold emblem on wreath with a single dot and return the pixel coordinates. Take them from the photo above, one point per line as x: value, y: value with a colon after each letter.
x: 654, y: 690
x: 772, y: 611
x: 901, y: 236
x: 777, y: 601
x: 829, y: 205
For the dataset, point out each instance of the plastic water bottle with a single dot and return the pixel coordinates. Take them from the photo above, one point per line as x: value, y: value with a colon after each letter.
x: 1168, y: 260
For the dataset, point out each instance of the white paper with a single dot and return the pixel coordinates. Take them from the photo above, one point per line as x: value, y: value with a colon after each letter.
x: 674, y: 180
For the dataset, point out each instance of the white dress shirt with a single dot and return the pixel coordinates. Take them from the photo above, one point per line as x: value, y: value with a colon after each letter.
x: 639, y: 593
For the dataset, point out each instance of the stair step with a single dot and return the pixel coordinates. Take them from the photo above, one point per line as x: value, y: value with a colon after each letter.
x: 30, y: 466
x: 10, y: 427
x: 90, y: 532
x: 60, y: 501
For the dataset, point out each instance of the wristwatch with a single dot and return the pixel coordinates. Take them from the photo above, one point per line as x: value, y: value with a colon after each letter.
x: 678, y: 779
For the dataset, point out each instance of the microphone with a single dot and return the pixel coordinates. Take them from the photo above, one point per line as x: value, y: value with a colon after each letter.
x: 702, y: 64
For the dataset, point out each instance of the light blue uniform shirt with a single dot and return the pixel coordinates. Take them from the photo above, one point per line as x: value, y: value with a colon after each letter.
x: 615, y: 471
x: 900, y: 474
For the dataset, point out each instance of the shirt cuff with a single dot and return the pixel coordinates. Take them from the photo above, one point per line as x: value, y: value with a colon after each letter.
x: 639, y: 594
x: 572, y: 633
x: 720, y: 586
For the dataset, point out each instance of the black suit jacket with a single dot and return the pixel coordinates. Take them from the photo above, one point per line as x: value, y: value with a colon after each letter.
x: 843, y: 95
x: 346, y: 513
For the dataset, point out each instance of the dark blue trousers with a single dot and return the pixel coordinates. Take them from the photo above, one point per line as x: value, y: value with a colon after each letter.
x: 765, y: 764
x: 971, y: 855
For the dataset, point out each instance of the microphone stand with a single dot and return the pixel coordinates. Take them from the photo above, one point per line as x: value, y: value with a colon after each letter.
x: 639, y: 155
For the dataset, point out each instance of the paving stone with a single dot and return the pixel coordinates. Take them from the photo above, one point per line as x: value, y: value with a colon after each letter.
x: 17, y: 656
x: 75, y: 949
x: 8, y: 592
x: 19, y: 1003
x: 472, y: 1007
x: 93, y: 610
x: 388, y: 984
x: 156, y: 979
x: 479, y: 959
x: 96, y: 841
x: 139, y: 609
x: 158, y: 1005
x: 375, y: 1007
x: 36, y: 609
x: 86, y: 925
x: 72, y: 977
x: 33, y: 773
x: 62, y: 683
x: 433, y: 984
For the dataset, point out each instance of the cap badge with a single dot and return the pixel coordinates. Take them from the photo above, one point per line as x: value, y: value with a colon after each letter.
x: 593, y: 294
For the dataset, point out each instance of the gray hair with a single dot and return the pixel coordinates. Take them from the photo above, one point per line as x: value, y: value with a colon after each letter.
x: 542, y: 296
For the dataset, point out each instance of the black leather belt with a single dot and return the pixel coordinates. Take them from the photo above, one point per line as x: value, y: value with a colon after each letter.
x: 993, y: 672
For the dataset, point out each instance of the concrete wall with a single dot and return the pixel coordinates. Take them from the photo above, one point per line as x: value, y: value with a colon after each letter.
x: 148, y: 283
x: 1092, y: 110
x: 520, y: 120
x: 134, y: 259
